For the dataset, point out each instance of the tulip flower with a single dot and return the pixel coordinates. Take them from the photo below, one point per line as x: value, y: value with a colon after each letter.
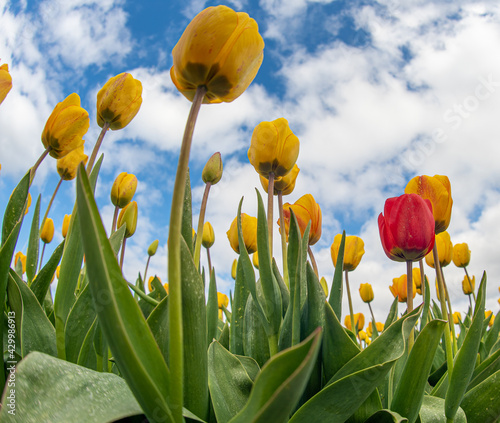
x: 417, y: 279
x: 152, y: 248
x: 5, y: 82
x: 255, y: 260
x: 65, y: 225
x: 285, y: 184
x: 68, y: 165
x: 47, y: 231
x: 220, y: 49
x: 437, y: 189
x: 212, y: 172
x: 399, y: 288
x: 28, y: 204
x: 457, y: 317
x: 65, y: 127
x: 233, y: 268
x: 468, y: 285
x: 444, y: 248
x: 489, y: 314
x: 223, y: 302
x: 366, y: 292
x: 306, y: 210
x: 353, y: 252
x: 119, y: 101
x: 208, y: 235
x: 249, y: 229
x: 20, y: 257
x: 359, y: 320
x: 324, y: 285
x: 123, y: 189
x: 128, y: 217
x: 378, y: 325
x: 461, y: 255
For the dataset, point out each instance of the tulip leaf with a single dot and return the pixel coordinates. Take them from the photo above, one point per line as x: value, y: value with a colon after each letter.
x: 485, y: 369
x: 187, y: 215
x: 432, y: 411
x: 120, y: 318
x: 87, y: 356
x: 427, y: 302
x: 158, y: 323
x: 492, y: 334
x: 34, y: 330
x: 481, y: 403
x: 366, y: 370
x: 411, y: 386
x: 255, y: 342
x: 229, y: 382
x: 386, y: 416
x: 466, y: 357
x: 280, y: 383
x: 285, y: 293
x: 41, y: 283
x: 335, y: 299
x: 238, y: 305
x: 33, y: 244
x: 393, y: 313
x: 212, y: 309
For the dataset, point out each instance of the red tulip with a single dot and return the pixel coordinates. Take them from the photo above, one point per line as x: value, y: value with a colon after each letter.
x: 407, y: 227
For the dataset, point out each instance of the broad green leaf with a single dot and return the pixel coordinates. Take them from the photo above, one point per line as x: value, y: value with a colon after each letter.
x: 158, y: 323
x: 187, y: 216
x: 465, y: 359
x: 411, y: 386
x: 87, y: 356
x: 33, y: 244
x: 34, y: 330
x: 212, y: 309
x: 393, y: 313
x: 481, y: 403
x: 255, y: 342
x: 280, y: 383
x: 492, y: 334
x: 386, y: 416
x: 116, y: 238
x: 485, y: 369
x: 41, y: 284
x: 51, y: 390
x: 241, y: 294
x: 285, y: 293
x: 432, y: 411
x: 335, y: 299
x: 229, y: 382
x: 120, y: 318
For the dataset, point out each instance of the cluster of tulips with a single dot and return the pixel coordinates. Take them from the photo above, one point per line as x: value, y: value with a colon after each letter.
x: 104, y: 349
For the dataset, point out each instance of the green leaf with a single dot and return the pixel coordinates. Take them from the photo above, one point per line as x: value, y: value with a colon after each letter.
x: 34, y: 330
x: 432, y: 411
x: 238, y: 305
x: 386, y: 416
x: 280, y: 383
x: 212, y: 309
x: 335, y: 299
x: 481, y: 403
x: 465, y: 359
x: 285, y: 293
x: 427, y: 301
x: 87, y: 356
x: 393, y: 313
x: 158, y: 323
x: 411, y: 386
x: 229, y: 382
x: 120, y: 318
x: 41, y: 283
x: 485, y: 369
x: 49, y: 389
x: 255, y: 343
x: 116, y: 238
x: 492, y: 334
x: 33, y: 244
x: 187, y: 216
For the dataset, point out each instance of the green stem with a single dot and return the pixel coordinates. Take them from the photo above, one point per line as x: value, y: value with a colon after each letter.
x: 115, y: 218
x: 141, y: 294
x: 270, y: 202
x: 409, y: 299
x: 273, y: 344
x: 41, y: 257
x: 176, y: 345
x: 97, y: 146
x: 284, y: 249
x: 122, y: 253
x: 373, y: 316
x: 354, y: 326
x: 201, y: 222
x: 209, y: 261
x: 40, y: 160
x: 50, y: 203
x: 146, y: 270
x: 470, y: 284
x: 450, y: 315
x: 422, y: 277
x: 313, y: 260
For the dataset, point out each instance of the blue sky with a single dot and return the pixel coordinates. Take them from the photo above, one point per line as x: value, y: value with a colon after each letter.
x: 377, y: 92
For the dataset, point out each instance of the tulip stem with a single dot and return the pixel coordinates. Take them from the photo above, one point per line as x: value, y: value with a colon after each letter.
x: 176, y: 345
x: 146, y: 269
x: 470, y: 284
x: 422, y: 277
x: 41, y: 257
x: 354, y: 326
x: 209, y: 261
x: 270, y: 201
x: 97, y: 146
x: 373, y: 316
x: 40, y: 160
x: 450, y: 314
x: 201, y: 222
x: 444, y: 311
x: 123, y: 252
x: 409, y: 298
x: 284, y: 249
x: 115, y: 218
x: 50, y: 203
x: 313, y: 260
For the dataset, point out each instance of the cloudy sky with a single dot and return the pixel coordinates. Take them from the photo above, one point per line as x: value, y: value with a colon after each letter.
x: 377, y: 92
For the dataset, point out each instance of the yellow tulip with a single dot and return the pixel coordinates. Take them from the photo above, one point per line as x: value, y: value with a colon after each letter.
x: 58, y: 269
x: 457, y: 317
x: 150, y: 281
x: 353, y: 251
x: 378, y: 325
x: 65, y: 127
x: 468, y: 286
x: 119, y: 101
x: 128, y: 217
x: 20, y: 256
x: 123, y: 189
x: 212, y: 172
x: 324, y: 285
x: 233, y: 268
x: 28, y: 203
x: 489, y: 314
x: 417, y: 279
x: 306, y: 210
x: 5, y: 82
x: 285, y: 184
x: 437, y: 189
x: 249, y: 229
x: 362, y: 335
x: 222, y: 300
x: 208, y: 237
x: 399, y: 288
x: 366, y: 292
x: 445, y: 250
x: 220, y: 49
x: 68, y: 165
x: 461, y: 255
x: 65, y: 225
x: 359, y: 320
x: 273, y: 148
x: 47, y: 232
x: 165, y: 286
x: 152, y: 248
x: 255, y: 260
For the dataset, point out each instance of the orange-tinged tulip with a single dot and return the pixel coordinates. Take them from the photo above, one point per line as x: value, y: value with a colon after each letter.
x: 65, y: 225
x: 208, y: 237
x: 220, y: 49
x: 65, y: 127
x: 68, y: 165
x: 5, y: 82
x: 128, y: 217
x: 47, y: 232
x: 306, y: 210
x: 123, y: 189
x: 399, y: 288
x: 461, y: 255
x: 165, y: 286
x: 119, y: 101
x: 249, y: 229
x: 20, y: 257
x: 468, y: 285
x: 445, y: 250
x: 273, y: 148
x: 359, y: 321
x: 437, y: 189
x: 378, y: 325
x: 366, y: 292
x: 286, y: 184
x: 353, y: 251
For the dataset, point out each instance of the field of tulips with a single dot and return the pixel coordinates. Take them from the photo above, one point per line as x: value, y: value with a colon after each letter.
x: 104, y: 349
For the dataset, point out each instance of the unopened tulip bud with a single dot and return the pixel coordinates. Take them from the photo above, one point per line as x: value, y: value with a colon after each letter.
x: 123, y: 189
x: 152, y: 248
x: 457, y: 318
x: 58, y: 270
x: 65, y: 225
x: 366, y: 292
x: 468, y: 285
x: 249, y: 229
x: 212, y: 172
x: 461, y: 255
x: 208, y: 237
x: 47, y: 232
x: 128, y: 217
x: 222, y: 300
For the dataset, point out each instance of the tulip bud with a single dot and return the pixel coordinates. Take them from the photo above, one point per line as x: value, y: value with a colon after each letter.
x: 123, y: 189
x: 68, y: 165
x: 128, y: 217
x: 222, y: 300
x: 461, y: 255
x: 65, y: 225
x: 20, y: 257
x: 306, y: 210
x: 165, y: 286
x: 457, y: 317
x: 119, y: 101
x: 445, y: 250
x: 152, y: 248
x: 233, y: 268
x: 353, y: 251
x: 212, y: 172
x: 65, y: 127
x: 468, y: 285
x: 366, y: 292
x: 359, y: 321
x: 249, y: 229
x: 220, y: 49
x: 285, y: 184
x: 47, y: 232
x: 5, y: 81
x: 324, y: 285
x: 208, y: 237
x: 417, y: 279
